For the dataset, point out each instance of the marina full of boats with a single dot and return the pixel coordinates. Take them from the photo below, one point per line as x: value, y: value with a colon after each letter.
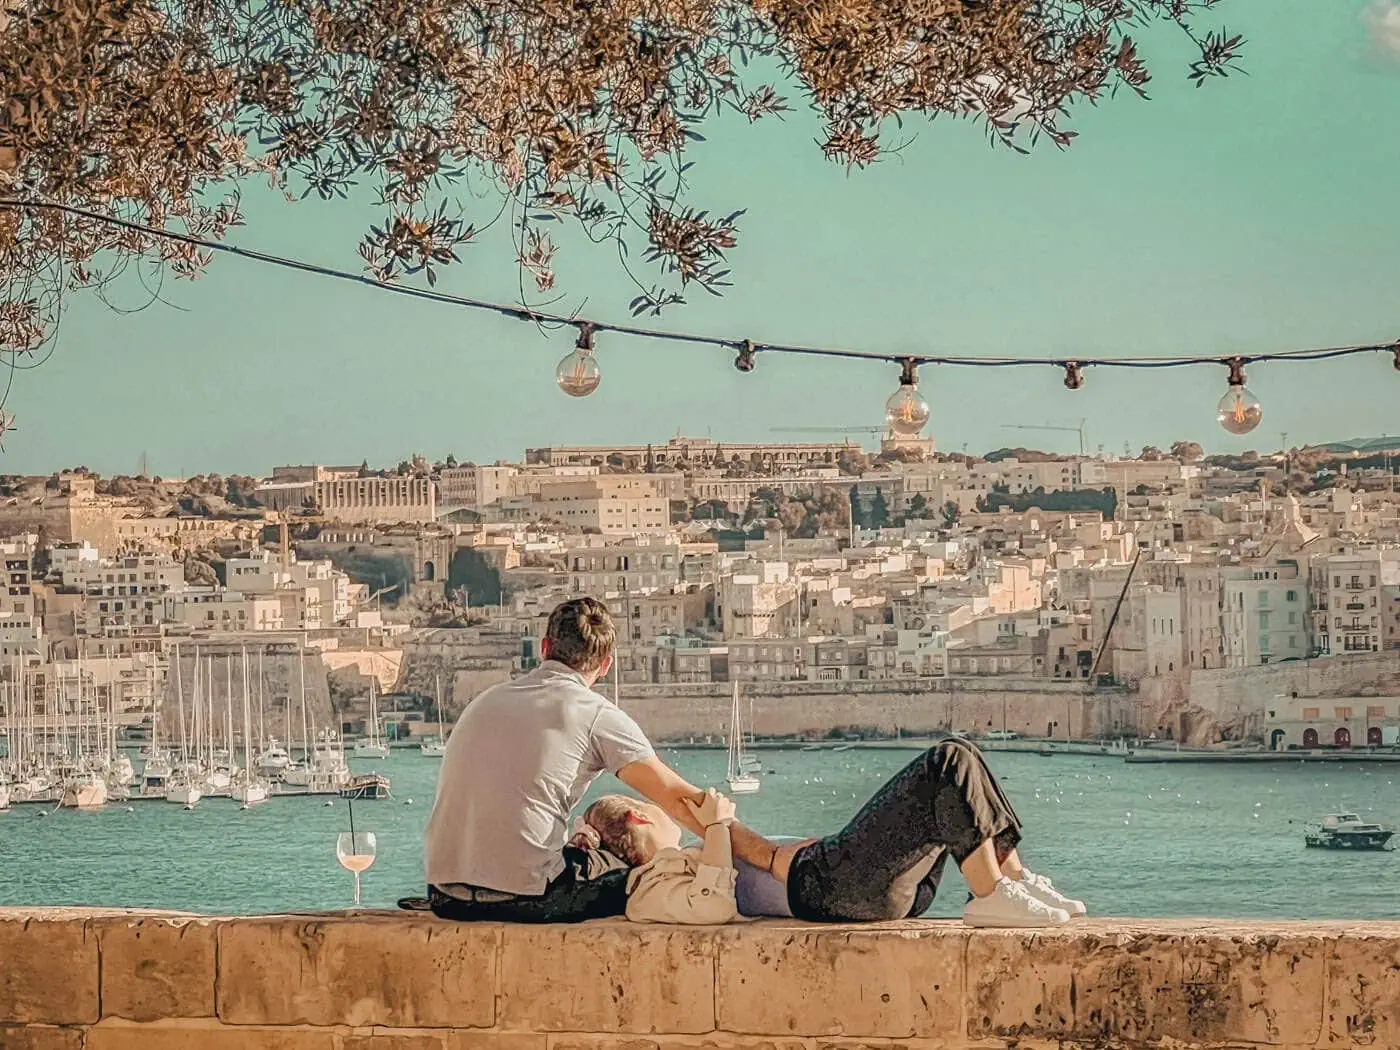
x: 68, y: 754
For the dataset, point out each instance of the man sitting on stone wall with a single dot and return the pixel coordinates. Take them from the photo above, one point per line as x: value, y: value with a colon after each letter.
x: 520, y: 757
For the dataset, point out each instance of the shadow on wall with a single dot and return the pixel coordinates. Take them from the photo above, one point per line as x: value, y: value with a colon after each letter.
x: 375, y: 570
x: 470, y: 569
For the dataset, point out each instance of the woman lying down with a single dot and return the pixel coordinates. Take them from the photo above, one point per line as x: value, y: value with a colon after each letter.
x: 885, y: 864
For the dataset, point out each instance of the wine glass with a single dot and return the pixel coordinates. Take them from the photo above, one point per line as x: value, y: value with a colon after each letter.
x: 355, y: 851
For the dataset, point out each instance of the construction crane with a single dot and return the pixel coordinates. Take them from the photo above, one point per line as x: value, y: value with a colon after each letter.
x: 1046, y: 426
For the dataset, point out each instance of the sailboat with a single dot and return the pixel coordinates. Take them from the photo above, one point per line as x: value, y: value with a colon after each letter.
x: 435, y: 746
x: 250, y: 789
x: 372, y: 746
x: 182, y: 785
x: 741, y: 780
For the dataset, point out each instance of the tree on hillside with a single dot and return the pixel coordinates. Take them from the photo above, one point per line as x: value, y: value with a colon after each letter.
x: 918, y: 506
x: 1187, y: 451
x: 879, y: 511
x: 951, y: 513
x: 569, y: 111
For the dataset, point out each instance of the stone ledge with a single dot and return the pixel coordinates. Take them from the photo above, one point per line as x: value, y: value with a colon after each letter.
x: 89, y: 979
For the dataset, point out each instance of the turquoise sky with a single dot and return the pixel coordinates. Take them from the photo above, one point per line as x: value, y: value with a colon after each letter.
x: 1254, y: 214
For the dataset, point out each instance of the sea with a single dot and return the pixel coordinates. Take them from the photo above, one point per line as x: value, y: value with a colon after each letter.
x: 1182, y: 840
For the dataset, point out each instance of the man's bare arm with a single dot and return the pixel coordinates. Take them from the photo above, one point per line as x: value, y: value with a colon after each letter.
x: 654, y: 780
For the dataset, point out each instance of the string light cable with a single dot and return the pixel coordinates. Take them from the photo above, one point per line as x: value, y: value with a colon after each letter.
x: 906, y: 413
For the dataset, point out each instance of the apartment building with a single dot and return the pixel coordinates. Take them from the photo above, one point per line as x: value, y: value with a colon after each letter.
x: 1264, y: 617
x: 619, y: 569
x: 1347, y: 597
x: 610, y: 505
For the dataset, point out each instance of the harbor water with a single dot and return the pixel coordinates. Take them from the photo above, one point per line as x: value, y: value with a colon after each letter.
x: 1133, y: 840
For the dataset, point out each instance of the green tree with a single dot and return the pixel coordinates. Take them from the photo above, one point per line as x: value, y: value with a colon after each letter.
x: 879, y: 511
x: 918, y: 506
x: 951, y: 513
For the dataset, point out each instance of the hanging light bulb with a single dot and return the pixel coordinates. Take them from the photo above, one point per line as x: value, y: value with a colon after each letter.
x: 906, y: 413
x: 1239, y: 411
x: 1074, y: 375
x: 578, y: 374
x: 745, y: 361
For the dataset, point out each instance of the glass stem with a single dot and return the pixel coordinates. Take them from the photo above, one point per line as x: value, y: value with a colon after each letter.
x: 357, y: 889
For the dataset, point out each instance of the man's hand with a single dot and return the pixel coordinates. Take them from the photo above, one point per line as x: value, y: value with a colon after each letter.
x: 653, y: 779
x: 715, y: 809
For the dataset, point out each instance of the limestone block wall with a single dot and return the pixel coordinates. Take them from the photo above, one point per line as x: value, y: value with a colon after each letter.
x: 127, y: 981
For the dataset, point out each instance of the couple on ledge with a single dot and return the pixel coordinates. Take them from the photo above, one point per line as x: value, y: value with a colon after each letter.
x: 523, y: 753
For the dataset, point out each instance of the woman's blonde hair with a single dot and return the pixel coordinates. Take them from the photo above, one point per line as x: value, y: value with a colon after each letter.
x: 620, y: 836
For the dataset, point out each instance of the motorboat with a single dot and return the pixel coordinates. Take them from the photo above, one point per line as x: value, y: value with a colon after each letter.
x: 366, y: 787
x: 1347, y: 831
x: 433, y: 748
x: 84, y: 791
x: 274, y: 761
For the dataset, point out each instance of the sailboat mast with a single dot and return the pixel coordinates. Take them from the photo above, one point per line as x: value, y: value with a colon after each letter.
x: 247, y: 725
x: 180, y: 707
x: 262, y: 712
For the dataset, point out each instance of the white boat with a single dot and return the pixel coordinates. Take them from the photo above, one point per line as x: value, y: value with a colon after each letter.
x: 4, y: 795
x: 741, y: 781
x: 325, y: 770
x: 84, y: 791
x: 120, y: 771
x: 436, y: 746
x: 183, y: 792
x: 274, y: 761
x: 1347, y: 831
x: 373, y: 745
x: 250, y: 793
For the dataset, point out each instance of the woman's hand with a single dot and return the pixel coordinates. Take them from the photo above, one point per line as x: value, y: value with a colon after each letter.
x: 713, y: 809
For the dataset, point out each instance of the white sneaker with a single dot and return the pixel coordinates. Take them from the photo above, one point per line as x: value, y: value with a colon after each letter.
x: 1012, y: 906
x: 1044, y: 890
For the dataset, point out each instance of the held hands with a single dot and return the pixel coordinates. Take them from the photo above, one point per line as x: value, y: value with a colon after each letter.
x: 714, y: 809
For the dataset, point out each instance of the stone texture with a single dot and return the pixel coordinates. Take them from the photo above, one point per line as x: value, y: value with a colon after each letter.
x: 716, y: 1041
x: 157, y: 968
x: 608, y: 977
x: 399, y: 972
x: 895, y: 980
x: 1097, y: 982
x: 469, y: 1040
x: 48, y: 971
x: 204, y: 1036
x: 40, y: 1037
x: 393, y: 1039
x: 1363, y: 991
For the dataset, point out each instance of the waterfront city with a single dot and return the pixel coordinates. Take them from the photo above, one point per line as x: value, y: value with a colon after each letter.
x: 1162, y: 646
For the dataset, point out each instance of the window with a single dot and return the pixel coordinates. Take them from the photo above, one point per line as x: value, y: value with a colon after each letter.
x: 1343, y: 712
x: 1311, y: 713
x: 1291, y: 596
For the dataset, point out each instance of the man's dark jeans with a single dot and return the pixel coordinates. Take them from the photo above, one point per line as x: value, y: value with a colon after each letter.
x: 886, y: 863
x: 593, y: 885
